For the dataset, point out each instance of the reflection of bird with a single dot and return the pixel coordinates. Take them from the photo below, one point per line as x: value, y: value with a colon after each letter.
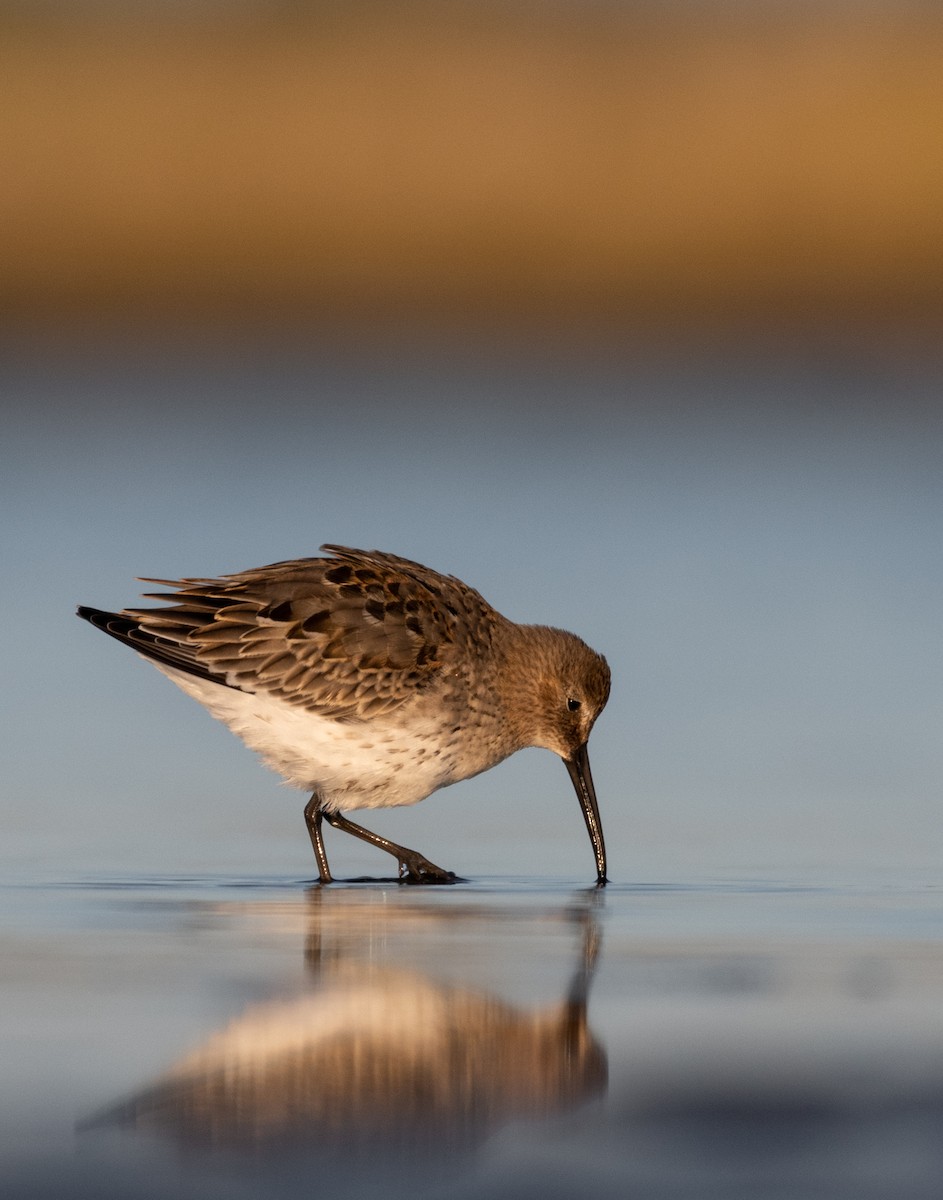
x: 379, y: 1054
x: 372, y: 681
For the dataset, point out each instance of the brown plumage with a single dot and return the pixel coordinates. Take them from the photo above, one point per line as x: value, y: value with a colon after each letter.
x: 372, y: 681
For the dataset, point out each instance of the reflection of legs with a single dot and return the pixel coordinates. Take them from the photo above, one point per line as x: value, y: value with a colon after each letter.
x: 413, y: 867
x: 313, y: 816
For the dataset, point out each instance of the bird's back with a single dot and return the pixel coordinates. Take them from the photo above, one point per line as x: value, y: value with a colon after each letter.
x: 357, y: 675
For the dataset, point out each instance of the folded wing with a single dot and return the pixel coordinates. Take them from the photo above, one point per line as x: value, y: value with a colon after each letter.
x: 348, y: 636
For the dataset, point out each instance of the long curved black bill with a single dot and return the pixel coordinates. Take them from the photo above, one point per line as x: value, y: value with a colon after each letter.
x: 578, y: 766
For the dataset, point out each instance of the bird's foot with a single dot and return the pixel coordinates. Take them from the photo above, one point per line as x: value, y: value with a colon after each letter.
x: 414, y: 868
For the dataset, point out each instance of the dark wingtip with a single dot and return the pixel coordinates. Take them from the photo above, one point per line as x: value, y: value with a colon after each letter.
x: 96, y: 616
x: 108, y: 622
x: 128, y: 631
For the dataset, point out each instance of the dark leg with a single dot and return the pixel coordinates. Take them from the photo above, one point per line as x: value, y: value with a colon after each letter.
x: 313, y: 817
x: 413, y: 867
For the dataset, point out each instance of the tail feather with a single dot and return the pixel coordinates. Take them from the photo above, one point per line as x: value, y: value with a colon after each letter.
x: 164, y: 650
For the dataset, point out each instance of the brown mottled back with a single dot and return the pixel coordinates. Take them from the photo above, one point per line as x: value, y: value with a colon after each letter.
x: 354, y: 635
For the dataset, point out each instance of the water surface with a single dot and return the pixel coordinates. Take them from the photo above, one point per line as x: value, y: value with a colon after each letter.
x: 211, y: 1036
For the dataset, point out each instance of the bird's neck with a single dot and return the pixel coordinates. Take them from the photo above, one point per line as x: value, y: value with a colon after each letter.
x: 521, y: 681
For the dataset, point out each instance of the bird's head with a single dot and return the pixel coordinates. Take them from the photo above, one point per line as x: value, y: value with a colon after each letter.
x: 567, y: 685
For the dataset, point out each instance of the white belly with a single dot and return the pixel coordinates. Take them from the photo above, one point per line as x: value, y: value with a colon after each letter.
x: 355, y: 764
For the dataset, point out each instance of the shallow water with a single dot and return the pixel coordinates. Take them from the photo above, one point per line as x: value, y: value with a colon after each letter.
x: 208, y: 1037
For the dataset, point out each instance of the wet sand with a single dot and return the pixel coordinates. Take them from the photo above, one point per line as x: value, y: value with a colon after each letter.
x: 500, y: 1038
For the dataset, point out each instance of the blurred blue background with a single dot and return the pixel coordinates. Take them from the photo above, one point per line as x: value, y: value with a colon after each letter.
x: 753, y: 541
x: 626, y: 314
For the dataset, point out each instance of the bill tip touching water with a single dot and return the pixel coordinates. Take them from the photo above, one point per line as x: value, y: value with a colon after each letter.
x: 371, y: 681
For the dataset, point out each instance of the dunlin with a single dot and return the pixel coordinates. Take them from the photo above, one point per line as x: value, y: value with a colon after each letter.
x: 372, y: 681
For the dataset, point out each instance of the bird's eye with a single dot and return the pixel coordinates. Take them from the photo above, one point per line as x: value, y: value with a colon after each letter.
x: 573, y: 704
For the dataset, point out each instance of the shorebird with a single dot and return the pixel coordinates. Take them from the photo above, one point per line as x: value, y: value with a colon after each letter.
x: 372, y: 681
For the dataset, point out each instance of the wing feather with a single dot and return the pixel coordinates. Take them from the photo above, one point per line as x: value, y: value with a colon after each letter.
x: 347, y: 636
